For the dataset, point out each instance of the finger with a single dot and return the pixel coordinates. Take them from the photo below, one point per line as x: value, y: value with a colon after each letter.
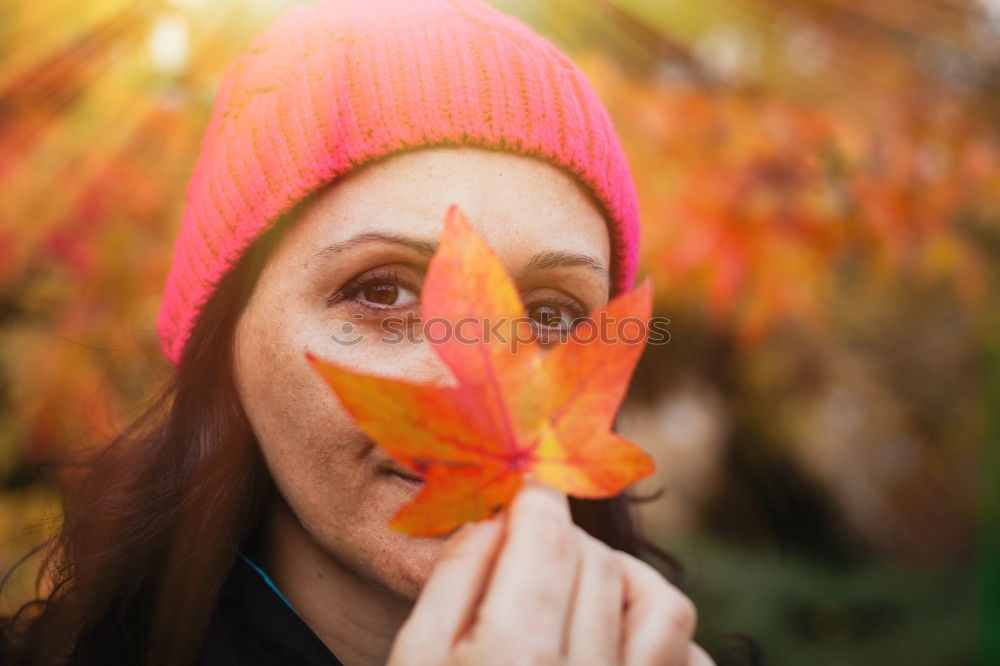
x: 448, y: 599
x: 594, y: 634
x: 699, y: 657
x: 659, y: 620
x: 528, y: 595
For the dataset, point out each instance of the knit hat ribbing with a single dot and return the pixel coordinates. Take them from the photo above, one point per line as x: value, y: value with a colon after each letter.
x: 331, y: 86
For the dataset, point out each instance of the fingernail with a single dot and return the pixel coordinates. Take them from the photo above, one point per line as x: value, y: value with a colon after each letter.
x: 536, y: 486
x: 463, y: 530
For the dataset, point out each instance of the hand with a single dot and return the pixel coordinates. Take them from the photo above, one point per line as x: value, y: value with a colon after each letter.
x: 530, y: 587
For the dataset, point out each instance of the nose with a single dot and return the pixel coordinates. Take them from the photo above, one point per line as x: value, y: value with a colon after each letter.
x: 424, y: 366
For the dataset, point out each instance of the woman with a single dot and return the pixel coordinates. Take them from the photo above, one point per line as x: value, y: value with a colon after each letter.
x: 243, y: 519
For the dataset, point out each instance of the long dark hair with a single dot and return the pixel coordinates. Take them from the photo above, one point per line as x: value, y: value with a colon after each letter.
x: 152, y: 522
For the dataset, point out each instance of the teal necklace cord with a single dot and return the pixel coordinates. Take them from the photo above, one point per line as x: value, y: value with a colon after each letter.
x: 270, y: 583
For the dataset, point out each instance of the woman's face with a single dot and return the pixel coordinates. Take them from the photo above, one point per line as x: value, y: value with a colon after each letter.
x: 357, y: 255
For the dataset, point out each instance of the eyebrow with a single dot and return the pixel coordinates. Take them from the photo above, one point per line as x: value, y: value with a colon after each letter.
x: 561, y: 259
x: 541, y: 261
x: 423, y: 247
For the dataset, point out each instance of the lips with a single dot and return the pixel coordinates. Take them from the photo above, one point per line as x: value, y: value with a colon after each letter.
x: 394, y: 469
x: 386, y: 465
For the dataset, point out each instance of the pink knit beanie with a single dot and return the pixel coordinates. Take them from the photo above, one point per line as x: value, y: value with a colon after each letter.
x: 331, y: 86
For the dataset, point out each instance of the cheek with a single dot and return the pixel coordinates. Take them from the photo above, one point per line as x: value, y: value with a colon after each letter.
x: 294, y: 420
x: 315, y: 452
x: 329, y: 473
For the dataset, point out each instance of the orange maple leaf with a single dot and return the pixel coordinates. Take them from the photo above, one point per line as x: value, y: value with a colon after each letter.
x: 515, y: 408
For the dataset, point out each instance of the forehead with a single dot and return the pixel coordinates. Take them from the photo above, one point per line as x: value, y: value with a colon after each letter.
x: 520, y: 205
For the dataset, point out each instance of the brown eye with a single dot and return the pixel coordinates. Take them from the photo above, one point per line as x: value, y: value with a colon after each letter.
x: 383, y: 290
x: 549, y: 315
x: 381, y: 294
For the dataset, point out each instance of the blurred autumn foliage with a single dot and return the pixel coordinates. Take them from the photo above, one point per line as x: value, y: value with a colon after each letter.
x: 820, y: 192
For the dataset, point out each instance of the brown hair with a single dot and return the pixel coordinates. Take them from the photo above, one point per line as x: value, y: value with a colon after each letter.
x: 151, y: 525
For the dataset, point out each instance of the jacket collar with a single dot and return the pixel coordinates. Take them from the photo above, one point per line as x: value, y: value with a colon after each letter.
x: 254, y: 625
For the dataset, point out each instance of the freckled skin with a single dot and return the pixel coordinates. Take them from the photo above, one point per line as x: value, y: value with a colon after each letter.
x: 328, y: 541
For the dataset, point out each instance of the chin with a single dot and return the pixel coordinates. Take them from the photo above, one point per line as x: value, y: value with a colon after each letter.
x: 397, y: 562
x: 414, y: 560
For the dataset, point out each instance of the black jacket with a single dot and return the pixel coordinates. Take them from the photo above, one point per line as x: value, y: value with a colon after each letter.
x: 253, y: 625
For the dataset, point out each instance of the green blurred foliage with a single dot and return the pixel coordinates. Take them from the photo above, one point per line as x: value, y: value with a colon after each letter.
x: 806, y: 612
